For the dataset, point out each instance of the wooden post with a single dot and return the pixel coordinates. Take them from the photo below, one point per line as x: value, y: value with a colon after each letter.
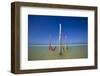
x: 60, y: 46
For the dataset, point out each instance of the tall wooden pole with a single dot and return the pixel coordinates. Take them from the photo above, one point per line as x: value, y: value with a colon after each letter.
x: 60, y: 47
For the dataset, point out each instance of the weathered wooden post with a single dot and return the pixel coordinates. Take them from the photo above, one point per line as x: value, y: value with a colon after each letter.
x: 60, y: 41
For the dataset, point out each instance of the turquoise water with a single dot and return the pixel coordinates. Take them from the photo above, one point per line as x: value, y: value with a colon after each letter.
x: 37, y: 52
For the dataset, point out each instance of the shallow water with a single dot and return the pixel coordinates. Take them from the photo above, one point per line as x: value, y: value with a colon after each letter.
x: 37, y: 52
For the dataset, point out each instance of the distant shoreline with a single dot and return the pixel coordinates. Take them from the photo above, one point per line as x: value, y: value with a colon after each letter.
x: 62, y: 45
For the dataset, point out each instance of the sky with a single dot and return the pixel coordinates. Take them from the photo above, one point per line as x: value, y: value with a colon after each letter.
x: 43, y: 29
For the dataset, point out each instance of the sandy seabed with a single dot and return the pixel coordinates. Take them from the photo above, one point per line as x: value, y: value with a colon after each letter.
x: 37, y: 52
